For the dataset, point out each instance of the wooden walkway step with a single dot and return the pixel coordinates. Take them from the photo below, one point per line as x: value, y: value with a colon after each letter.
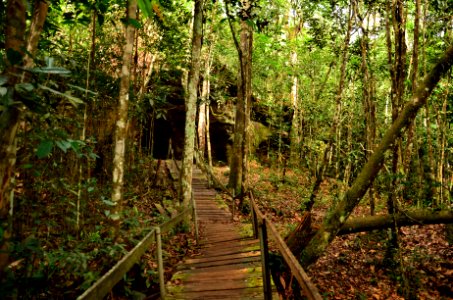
x: 229, y: 266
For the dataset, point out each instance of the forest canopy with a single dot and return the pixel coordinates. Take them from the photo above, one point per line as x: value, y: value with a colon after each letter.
x: 347, y: 104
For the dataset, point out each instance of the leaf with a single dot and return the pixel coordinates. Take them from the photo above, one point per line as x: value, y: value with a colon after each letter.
x: 82, y: 89
x: 135, y: 23
x: 3, y: 79
x: 93, y: 155
x: 73, y: 100
x: 114, y: 217
x: 24, y: 87
x: 44, y: 149
x: 3, y: 91
x: 51, y: 70
x: 63, y: 145
x: 145, y: 7
x: 108, y: 202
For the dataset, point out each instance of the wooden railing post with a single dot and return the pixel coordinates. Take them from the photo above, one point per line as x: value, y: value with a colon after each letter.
x: 160, y: 263
x: 233, y: 204
x: 265, y: 260
x: 254, y: 217
x: 195, y: 218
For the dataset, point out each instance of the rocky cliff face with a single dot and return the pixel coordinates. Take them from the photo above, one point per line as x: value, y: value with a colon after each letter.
x: 169, y: 129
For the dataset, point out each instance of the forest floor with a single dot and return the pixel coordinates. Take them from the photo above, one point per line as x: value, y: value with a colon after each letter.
x: 354, y: 265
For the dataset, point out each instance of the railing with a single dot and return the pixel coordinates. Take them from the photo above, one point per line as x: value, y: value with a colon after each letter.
x: 261, y: 225
x: 106, y: 283
x: 260, y: 229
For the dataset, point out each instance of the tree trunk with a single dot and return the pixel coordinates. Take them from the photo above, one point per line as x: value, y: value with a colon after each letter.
x: 191, y: 105
x: 397, y: 97
x: 334, y: 221
x: 296, y: 124
x: 238, y: 155
x: 247, y: 48
x: 37, y: 23
x: 201, y: 126
x: 9, y: 121
x: 368, y: 103
x: 203, y: 108
x: 338, y: 100
x: 122, y: 115
x: 407, y: 218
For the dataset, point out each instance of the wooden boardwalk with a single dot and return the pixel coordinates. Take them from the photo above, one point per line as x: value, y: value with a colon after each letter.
x: 229, y: 266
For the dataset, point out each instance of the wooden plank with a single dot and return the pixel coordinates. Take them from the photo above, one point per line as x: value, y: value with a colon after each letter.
x: 221, y: 257
x: 105, y: 284
x: 226, y: 262
x: 230, y: 294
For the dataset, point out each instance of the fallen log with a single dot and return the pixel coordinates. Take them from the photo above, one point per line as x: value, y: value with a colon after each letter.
x: 404, y: 218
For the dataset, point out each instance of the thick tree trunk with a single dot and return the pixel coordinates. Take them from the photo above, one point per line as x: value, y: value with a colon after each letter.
x: 9, y: 121
x: 122, y: 115
x: 191, y: 105
x: 334, y: 221
x: 407, y: 218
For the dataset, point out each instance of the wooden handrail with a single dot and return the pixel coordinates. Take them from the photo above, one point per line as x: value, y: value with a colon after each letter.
x: 106, y: 283
x: 298, y: 272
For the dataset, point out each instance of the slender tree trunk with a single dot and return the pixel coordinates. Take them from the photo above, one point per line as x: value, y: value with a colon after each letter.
x: 201, y: 126
x: 238, y: 156
x: 338, y: 99
x: 296, y: 124
x: 397, y: 62
x: 148, y: 72
x: 203, y: 108
x: 122, y: 116
x: 191, y: 105
x: 37, y: 23
x: 208, y: 136
x: 368, y: 103
x: 90, y: 63
x: 93, y: 44
x: 247, y: 48
x: 338, y: 216
x: 443, y: 127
